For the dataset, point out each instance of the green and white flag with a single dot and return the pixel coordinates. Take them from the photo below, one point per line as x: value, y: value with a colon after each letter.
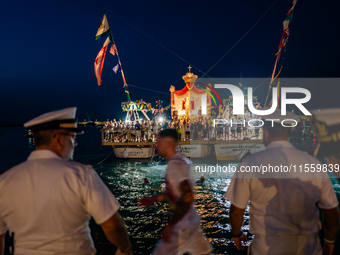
x: 103, y: 29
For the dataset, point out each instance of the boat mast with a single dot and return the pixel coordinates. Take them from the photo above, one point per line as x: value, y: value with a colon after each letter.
x: 125, y: 86
x: 282, y: 46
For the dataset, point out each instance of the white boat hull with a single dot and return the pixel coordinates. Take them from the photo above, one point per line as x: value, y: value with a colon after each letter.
x: 236, y: 151
x: 134, y: 152
x: 195, y: 150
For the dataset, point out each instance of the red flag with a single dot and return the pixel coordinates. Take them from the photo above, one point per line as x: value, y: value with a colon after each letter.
x: 113, y: 49
x: 99, y: 62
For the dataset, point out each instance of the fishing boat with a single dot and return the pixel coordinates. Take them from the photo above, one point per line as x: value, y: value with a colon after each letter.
x: 189, y: 103
x: 128, y: 149
x: 195, y: 103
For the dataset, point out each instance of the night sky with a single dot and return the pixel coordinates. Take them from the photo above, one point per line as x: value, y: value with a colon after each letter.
x: 47, y: 50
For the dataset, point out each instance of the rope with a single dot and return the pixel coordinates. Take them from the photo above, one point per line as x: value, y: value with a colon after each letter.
x: 148, y: 89
x: 240, y: 38
x: 105, y: 158
x: 262, y: 83
x: 204, y: 73
x: 154, y: 40
x: 161, y: 46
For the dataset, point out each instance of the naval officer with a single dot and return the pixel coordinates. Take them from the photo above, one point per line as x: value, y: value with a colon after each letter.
x: 47, y: 200
x: 284, y: 205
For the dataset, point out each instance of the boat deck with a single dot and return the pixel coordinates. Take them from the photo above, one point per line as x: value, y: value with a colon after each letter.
x: 187, y: 142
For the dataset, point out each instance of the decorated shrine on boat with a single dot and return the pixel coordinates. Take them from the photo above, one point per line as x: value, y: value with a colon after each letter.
x: 190, y: 102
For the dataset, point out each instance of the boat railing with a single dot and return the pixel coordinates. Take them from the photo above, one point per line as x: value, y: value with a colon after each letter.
x: 129, y: 136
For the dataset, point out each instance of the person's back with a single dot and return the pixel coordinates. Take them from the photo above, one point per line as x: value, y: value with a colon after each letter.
x: 283, y: 203
x: 177, y: 171
x: 285, y: 191
x: 183, y: 232
x: 46, y: 202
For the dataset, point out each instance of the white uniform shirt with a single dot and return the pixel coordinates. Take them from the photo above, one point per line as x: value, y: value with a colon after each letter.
x: 47, y: 202
x: 282, y: 205
x: 178, y: 170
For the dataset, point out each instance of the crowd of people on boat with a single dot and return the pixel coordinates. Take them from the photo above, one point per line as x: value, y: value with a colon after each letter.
x: 225, y: 126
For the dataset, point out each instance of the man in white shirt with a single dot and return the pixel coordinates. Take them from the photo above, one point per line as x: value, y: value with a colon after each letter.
x: 284, y: 204
x: 183, y: 232
x: 47, y: 200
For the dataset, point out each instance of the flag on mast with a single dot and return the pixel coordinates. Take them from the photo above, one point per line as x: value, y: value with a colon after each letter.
x: 103, y: 29
x: 113, y: 49
x: 99, y: 62
x: 282, y: 45
x: 116, y: 68
x: 293, y: 6
x: 285, y: 36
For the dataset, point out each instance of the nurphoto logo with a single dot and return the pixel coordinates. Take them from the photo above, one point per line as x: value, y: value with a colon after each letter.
x: 238, y: 100
x: 238, y: 106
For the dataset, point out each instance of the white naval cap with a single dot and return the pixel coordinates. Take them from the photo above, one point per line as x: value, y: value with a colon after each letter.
x: 276, y: 118
x: 61, y: 119
x: 326, y: 125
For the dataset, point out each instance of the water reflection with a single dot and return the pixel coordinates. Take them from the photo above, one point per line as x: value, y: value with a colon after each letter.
x: 126, y: 180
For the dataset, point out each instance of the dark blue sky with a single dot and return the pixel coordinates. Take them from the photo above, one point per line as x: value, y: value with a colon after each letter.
x: 47, y: 49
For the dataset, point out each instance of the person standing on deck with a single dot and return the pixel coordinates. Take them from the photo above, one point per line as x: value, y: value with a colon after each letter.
x: 47, y: 200
x: 111, y: 130
x: 187, y: 130
x: 183, y: 232
x: 142, y: 132
x: 165, y: 124
x: 137, y: 126
x: 284, y: 206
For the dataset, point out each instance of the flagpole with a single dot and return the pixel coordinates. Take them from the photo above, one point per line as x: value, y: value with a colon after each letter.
x: 123, y: 76
x: 271, y: 81
x: 283, y: 41
x: 120, y: 64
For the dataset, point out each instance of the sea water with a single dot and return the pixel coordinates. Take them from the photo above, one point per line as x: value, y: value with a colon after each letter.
x: 125, y: 178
